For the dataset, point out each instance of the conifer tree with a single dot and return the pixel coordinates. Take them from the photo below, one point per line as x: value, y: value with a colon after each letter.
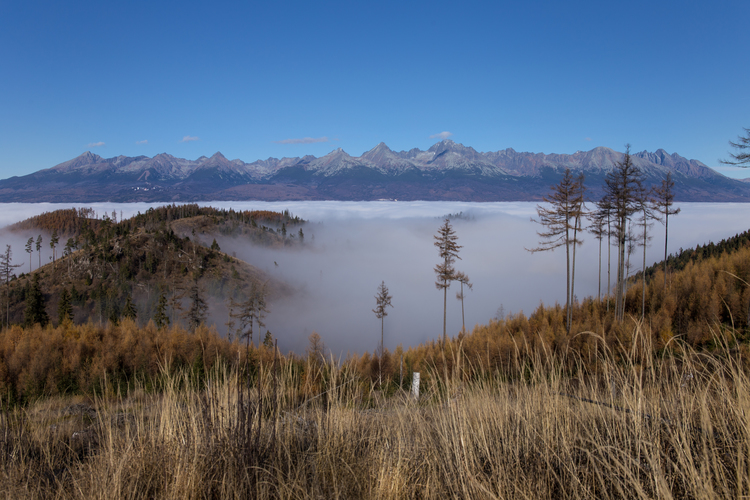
x: 598, y: 220
x: 446, y: 243
x: 35, y: 311
x: 64, y: 307
x: 268, y: 340
x: 161, y: 318
x: 130, y: 311
x: 623, y: 189
x: 54, y: 239
x: 742, y: 156
x: 664, y: 200
x: 196, y: 315
x: 462, y: 278
x: 563, y: 223
x: 646, y: 215
x: 39, y: 248
x: 6, y: 275
x: 382, y: 300
x: 29, y: 250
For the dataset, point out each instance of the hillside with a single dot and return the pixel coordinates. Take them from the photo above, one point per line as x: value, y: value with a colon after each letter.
x: 168, y: 251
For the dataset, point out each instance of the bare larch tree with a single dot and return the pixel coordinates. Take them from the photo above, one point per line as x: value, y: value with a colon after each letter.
x: 563, y: 222
x: 664, y: 200
x: 623, y: 189
x: 446, y: 243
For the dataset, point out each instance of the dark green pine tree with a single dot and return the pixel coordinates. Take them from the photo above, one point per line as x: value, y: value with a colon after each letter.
x: 35, y: 311
x: 160, y: 318
x: 196, y: 315
x: 65, y: 307
x: 268, y: 340
x: 130, y: 310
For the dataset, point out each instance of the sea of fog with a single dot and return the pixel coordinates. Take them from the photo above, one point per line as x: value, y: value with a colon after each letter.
x: 352, y: 246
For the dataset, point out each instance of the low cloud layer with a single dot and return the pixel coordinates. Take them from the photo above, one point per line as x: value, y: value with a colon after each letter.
x: 189, y: 138
x: 95, y: 144
x: 352, y: 246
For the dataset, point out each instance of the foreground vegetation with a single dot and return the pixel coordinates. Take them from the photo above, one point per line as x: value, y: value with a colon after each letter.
x: 639, y: 426
x: 558, y: 403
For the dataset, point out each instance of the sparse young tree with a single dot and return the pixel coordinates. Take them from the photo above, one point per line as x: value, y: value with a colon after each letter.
x: 251, y: 310
x: 664, y: 200
x: 231, y: 322
x: 54, y: 239
x: 6, y: 275
x: 30, y: 250
x: 39, y: 248
x: 563, y: 220
x: 623, y: 189
x: 161, y: 318
x: 35, y: 311
x: 598, y: 228
x: 462, y: 278
x: 268, y: 340
x: 382, y: 300
x: 446, y: 243
x: 130, y: 311
x: 646, y: 216
x: 196, y: 315
x: 64, y: 307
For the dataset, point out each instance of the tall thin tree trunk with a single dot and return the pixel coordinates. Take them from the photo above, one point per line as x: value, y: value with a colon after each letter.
x: 666, y: 236
x: 463, y: 320
x: 567, y: 290
x: 573, y: 275
x: 620, y: 306
x: 643, y: 295
x: 609, y: 262
x: 599, y: 295
x: 382, y: 349
x: 445, y: 315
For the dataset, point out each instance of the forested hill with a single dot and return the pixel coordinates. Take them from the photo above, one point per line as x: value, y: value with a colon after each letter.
x: 109, y: 268
x: 680, y: 260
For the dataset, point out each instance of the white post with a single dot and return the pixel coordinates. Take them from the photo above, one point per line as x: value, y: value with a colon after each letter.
x: 415, y: 385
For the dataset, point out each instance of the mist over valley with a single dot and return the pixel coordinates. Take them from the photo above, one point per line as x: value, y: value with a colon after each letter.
x: 350, y: 247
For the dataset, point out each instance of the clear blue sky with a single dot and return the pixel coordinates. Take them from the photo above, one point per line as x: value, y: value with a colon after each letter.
x: 255, y: 79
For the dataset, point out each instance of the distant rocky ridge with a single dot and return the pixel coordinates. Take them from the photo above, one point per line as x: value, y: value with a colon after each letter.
x: 446, y: 171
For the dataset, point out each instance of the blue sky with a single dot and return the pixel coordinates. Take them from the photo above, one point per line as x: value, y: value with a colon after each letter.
x: 272, y: 79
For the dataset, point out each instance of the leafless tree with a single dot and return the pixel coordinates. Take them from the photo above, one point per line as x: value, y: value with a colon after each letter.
x: 563, y: 223
x: 462, y: 278
x: 623, y: 189
x: 6, y: 275
x: 742, y: 156
x: 664, y: 200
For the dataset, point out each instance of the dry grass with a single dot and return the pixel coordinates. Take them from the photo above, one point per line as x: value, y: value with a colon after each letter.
x: 674, y: 426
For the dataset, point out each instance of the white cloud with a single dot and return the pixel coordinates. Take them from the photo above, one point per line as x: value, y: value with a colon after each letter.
x: 442, y: 135
x: 304, y: 140
x: 587, y: 139
x: 189, y: 138
x: 145, y: 141
x: 95, y: 144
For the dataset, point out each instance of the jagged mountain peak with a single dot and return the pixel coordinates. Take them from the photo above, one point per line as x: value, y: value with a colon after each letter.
x: 85, y: 159
x: 447, y: 170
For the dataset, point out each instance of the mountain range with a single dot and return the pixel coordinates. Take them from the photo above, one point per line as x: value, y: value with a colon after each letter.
x: 446, y: 171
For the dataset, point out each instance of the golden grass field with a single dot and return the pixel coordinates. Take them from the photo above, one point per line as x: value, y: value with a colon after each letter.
x: 671, y: 425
